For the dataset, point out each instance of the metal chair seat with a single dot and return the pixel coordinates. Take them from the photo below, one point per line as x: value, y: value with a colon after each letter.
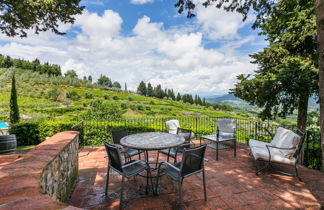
x: 129, y: 152
x: 171, y: 152
x: 172, y: 170
x: 134, y: 167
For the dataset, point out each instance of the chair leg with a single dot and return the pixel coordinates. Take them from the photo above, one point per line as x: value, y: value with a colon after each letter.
x: 157, y: 159
x: 107, y: 181
x: 139, y: 156
x: 121, y: 193
x: 157, y: 181
x: 296, y: 172
x: 234, y: 148
x: 204, y: 182
x: 180, y: 192
x: 264, y: 167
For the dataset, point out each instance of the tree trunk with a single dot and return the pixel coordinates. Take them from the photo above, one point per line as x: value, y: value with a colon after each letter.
x: 320, y: 39
x: 302, y: 112
x: 302, y: 119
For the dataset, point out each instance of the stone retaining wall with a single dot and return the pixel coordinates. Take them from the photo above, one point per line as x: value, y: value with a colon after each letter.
x: 42, y: 177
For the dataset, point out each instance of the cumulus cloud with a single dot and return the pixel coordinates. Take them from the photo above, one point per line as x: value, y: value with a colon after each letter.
x: 141, y: 1
x: 219, y: 24
x: 175, y: 58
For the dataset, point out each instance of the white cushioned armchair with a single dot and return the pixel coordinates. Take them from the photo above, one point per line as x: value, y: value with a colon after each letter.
x: 285, y: 148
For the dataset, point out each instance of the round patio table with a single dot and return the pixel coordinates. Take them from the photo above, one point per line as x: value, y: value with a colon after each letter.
x: 152, y: 141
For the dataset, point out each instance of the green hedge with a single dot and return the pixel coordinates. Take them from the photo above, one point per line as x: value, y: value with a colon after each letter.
x: 32, y: 133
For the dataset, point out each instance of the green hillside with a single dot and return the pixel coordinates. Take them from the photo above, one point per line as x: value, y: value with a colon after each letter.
x: 44, y: 97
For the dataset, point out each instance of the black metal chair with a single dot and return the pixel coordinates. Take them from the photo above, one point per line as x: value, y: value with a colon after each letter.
x: 173, y: 152
x: 128, y: 153
x: 192, y: 163
x: 128, y: 169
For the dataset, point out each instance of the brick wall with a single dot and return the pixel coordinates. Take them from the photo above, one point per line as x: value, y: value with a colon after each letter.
x: 42, y: 177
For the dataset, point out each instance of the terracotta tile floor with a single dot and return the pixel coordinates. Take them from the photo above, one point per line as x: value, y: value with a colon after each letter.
x: 231, y: 184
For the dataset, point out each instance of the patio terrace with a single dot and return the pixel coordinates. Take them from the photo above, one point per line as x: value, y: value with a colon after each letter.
x: 231, y: 184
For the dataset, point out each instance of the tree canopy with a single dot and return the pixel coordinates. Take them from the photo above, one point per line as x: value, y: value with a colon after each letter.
x: 18, y: 16
x: 287, y: 72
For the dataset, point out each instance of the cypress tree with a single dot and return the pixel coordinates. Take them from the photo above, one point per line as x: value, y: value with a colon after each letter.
x: 14, y: 111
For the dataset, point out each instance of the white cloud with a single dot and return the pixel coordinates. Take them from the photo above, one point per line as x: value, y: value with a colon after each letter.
x: 219, y: 24
x: 141, y: 1
x: 175, y: 58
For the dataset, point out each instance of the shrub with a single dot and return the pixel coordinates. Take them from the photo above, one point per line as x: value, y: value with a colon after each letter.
x: 102, y: 111
x: 115, y: 97
x: 132, y: 106
x: 106, y: 96
x: 55, y: 94
x: 148, y: 108
x: 84, y: 104
x: 140, y: 107
x: 130, y: 98
x: 170, y: 108
x: 73, y: 95
x: 162, y: 108
x: 88, y: 95
x: 32, y: 133
x: 66, y: 102
x: 152, y: 102
x: 123, y: 105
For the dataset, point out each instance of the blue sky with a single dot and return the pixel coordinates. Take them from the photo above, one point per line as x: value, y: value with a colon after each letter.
x: 134, y: 40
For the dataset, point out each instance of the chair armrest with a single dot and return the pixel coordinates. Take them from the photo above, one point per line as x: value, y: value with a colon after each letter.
x: 168, y: 164
x: 281, y: 148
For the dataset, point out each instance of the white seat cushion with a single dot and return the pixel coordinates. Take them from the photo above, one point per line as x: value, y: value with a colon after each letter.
x: 261, y: 153
x: 224, y: 136
x: 256, y: 143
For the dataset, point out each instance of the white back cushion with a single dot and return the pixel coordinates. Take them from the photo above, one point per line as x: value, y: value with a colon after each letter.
x: 172, y: 126
x: 286, y: 139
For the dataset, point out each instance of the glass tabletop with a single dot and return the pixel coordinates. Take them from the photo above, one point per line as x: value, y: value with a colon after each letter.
x: 152, y: 140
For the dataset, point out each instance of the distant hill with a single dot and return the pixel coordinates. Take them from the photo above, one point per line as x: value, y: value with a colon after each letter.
x: 233, y: 101
x: 238, y: 103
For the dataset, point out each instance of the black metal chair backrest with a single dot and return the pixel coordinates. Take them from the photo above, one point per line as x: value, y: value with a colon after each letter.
x: 192, y: 160
x: 301, y: 142
x: 117, y: 135
x: 115, y: 159
x: 186, y: 133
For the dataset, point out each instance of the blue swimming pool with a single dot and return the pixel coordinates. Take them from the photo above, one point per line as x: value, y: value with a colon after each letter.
x: 3, y: 125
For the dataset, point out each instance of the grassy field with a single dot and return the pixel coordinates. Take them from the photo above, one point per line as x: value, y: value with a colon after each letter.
x: 40, y: 99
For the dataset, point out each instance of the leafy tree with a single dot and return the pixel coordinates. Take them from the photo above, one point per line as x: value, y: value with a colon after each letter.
x: 105, y: 81
x: 90, y: 78
x: 14, y: 110
x: 71, y: 74
x: 141, y: 89
x: 287, y: 74
x: 158, y: 92
x: 263, y: 10
x: 149, y: 90
x: 19, y: 16
x: 100, y: 110
x: 117, y: 85
x: 178, y: 97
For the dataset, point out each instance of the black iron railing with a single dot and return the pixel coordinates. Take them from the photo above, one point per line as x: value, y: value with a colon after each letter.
x: 94, y: 132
